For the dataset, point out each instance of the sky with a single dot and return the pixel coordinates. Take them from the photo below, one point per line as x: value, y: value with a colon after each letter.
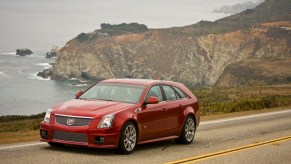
x: 40, y: 24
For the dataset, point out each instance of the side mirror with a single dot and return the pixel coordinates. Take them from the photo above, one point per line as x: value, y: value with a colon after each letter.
x: 78, y: 94
x: 151, y: 100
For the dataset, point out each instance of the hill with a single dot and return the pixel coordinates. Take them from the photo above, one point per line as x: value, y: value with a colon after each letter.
x: 195, y: 55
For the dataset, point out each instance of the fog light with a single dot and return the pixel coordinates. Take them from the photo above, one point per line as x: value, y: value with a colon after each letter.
x: 44, y: 134
x: 99, y: 139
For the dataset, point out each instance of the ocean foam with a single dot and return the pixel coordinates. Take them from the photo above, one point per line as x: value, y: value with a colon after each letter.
x: 78, y: 85
x: 3, y: 75
x: 44, y: 64
x: 9, y: 53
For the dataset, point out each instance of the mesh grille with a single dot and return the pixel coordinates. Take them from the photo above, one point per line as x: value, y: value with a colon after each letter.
x: 68, y: 136
x: 77, y: 121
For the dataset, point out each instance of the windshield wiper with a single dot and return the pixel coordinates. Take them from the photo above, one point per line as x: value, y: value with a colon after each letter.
x: 105, y: 99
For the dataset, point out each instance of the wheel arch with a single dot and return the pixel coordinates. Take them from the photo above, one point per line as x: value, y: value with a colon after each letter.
x: 189, y: 111
x: 135, y: 124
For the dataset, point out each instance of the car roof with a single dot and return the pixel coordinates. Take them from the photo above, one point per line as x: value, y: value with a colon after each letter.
x: 138, y: 81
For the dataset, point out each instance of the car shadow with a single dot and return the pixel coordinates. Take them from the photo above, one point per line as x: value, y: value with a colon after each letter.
x: 162, y: 145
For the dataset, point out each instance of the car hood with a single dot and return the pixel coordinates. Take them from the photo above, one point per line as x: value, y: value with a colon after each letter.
x: 90, y: 108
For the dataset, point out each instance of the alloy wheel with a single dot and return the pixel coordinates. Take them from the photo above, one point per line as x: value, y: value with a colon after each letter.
x: 189, y: 129
x: 129, y: 137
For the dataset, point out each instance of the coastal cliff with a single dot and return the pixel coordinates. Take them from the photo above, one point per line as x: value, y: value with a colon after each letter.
x: 195, y: 55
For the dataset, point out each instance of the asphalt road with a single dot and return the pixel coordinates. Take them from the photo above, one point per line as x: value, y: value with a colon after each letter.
x: 264, y: 138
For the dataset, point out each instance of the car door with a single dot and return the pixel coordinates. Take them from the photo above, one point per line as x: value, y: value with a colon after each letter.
x: 152, y: 118
x: 174, y: 107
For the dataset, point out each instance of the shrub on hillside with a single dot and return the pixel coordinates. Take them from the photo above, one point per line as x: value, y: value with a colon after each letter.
x: 82, y: 37
x: 123, y: 28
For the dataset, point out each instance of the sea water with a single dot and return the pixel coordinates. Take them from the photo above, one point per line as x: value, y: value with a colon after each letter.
x: 24, y: 93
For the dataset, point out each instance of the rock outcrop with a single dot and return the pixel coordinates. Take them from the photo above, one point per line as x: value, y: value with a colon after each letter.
x: 53, y: 53
x: 195, y: 54
x: 23, y: 52
x: 45, y: 73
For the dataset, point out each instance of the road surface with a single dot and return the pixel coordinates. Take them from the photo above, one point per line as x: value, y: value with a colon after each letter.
x: 262, y: 138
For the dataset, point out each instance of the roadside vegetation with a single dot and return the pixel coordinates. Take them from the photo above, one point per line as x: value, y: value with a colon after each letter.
x: 228, y: 100
x: 19, y: 128
x: 215, y: 103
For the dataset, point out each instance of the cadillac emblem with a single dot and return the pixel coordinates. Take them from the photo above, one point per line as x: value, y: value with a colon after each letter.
x: 70, y: 121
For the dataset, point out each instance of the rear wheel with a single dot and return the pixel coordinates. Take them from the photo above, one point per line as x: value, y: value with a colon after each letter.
x: 188, y: 131
x: 128, y: 138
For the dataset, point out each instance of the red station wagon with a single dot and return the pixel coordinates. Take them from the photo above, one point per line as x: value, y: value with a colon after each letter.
x: 121, y: 113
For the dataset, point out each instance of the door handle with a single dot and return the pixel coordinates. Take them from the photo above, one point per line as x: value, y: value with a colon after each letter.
x: 164, y: 109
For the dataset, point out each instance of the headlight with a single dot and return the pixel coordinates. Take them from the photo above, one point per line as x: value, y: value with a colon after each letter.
x: 47, y: 116
x: 106, y: 121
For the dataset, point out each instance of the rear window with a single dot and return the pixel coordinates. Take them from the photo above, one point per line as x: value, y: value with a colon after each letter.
x: 181, y: 94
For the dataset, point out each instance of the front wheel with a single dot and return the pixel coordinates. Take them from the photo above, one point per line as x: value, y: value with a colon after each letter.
x: 128, y: 138
x: 188, y: 131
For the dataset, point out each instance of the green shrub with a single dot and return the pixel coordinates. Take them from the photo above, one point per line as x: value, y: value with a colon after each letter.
x: 21, y: 117
x: 82, y: 37
x: 123, y: 28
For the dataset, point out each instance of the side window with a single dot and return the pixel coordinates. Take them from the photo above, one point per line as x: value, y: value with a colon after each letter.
x: 182, y: 94
x: 155, y: 91
x: 170, y: 93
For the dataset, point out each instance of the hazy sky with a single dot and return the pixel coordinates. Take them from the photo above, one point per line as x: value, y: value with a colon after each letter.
x: 39, y: 24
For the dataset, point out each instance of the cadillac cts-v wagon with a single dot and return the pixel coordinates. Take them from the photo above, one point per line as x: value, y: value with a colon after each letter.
x: 121, y: 113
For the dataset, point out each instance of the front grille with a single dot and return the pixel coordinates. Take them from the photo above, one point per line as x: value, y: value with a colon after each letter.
x: 73, y: 121
x: 69, y: 136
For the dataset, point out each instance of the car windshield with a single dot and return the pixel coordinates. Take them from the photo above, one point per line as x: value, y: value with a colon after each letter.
x: 128, y: 93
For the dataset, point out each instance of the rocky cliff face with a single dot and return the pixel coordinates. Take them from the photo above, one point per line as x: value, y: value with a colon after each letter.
x: 260, y: 71
x: 172, y: 54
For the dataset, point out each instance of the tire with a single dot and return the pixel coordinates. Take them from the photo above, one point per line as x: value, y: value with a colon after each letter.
x: 188, y: 131
x: 128, y: 138
x: 54, y: 144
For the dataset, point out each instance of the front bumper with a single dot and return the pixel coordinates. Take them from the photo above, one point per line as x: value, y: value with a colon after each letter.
x: 81, y: 136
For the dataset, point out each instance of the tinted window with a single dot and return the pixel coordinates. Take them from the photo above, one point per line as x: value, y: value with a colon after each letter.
x: 155, y: 91
x: 182, y: 95
x: 169, y: 92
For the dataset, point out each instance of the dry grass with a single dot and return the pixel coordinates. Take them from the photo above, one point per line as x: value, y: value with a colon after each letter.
x: 19, y: 131
x: 243, y: 113
x: 21, y: 136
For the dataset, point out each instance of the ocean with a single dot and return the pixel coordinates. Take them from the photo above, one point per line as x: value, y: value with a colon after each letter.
x: 24, y: 93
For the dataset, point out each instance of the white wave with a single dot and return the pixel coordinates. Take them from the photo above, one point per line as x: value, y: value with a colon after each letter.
x: 9, y: 53
x: 35, y: 77
x: 31, y: 55
x: 44, y: 64
x: 36, y: 56
x: 3, y: 75
x: 73, y: 78
x: 78, y: 85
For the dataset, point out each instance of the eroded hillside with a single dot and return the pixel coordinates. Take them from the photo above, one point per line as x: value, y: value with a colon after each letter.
x: 179, y: 54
